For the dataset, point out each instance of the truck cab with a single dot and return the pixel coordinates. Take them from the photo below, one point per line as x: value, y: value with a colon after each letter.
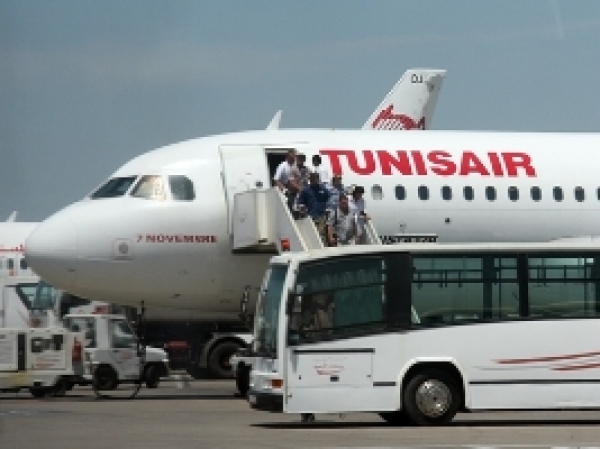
x: 112, y: 353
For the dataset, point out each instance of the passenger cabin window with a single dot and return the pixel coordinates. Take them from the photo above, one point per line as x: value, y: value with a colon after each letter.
x: 579, y: 194
x: 149, y: 187
x: 447, y: 193
x: 23, y: 264
x: 564, y: 287
x: 114, y: 187
x: 338, y: 298
x: 557, y: 192
x: 423, y: 193
x: 490, y: 193
x: 513, y: 193
x: 452, y: 290
x: 468, y: 193
x: 11, y: 264
x: 598, y: 193
x: 400, y: 193
x: 377, y: 192
x: 536, y: 193
x: 182, y: 188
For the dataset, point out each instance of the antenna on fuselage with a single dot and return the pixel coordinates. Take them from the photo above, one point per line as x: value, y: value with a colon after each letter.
x: 274, y: 123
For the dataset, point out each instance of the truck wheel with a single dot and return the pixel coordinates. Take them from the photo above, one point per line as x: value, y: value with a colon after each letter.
x: 60, y: 388
x: 152, y: 376
x: 105, y: 378
x: 218, y: 360
x: 431, y: 398
x: 242, y: 380
x: 38, y: 392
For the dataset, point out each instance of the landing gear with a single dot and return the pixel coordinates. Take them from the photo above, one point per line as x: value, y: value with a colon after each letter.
x: 218, y: 360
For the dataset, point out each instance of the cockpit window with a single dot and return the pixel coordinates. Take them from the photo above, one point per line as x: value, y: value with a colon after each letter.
x: 150, y: 187
x: 182, y: 188
x: 113, y: 188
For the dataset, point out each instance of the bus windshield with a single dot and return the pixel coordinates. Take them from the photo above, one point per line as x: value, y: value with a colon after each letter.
x: 267, y: 311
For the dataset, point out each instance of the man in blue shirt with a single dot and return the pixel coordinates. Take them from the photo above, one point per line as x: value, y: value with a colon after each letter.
x: 313, y: 200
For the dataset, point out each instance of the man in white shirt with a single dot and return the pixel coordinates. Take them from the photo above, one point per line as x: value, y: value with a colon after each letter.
x: 318, y: 168
x: 357, y: 205
x: 341, y: 224
x: 287, y: 177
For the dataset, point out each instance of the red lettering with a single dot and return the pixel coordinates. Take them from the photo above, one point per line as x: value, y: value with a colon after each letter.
x: 496, y: 164
x: 369, y: 166
x: 470, y: 163
x: 443, y: 167
x: 160, y: 238
x: 419, y: 163
x: 188, y: 238
x: 334, y: 158
x: 140, y: 237
x: 402, y: 164
x: 518, y: 160
x: 150, y: 238
x: 213, y: 239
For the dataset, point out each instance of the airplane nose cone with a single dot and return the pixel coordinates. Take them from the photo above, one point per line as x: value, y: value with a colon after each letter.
x: 51, y: 250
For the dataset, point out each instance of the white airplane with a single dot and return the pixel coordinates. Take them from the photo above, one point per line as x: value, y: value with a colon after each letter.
x: 157, y: 230
x: 412, y: 99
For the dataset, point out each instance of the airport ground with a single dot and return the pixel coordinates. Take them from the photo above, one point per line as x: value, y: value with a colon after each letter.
x: 185, y: 413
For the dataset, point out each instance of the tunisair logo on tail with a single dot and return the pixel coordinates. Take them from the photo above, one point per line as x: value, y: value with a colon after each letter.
x: 387, y: 120
x: 423, y: 163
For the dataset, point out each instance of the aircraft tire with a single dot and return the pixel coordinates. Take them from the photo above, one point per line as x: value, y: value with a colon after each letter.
x: 218, y: 359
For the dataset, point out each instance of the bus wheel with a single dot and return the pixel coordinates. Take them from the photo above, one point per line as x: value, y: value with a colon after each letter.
x: 431, y: 398
x: 397, y: 418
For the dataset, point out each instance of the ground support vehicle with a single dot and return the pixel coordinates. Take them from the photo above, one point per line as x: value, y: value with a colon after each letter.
x: 199, y: 347
x: 16, y: 297
x: 45, y: 361
x: 417, y: 332
x: 112, y: 355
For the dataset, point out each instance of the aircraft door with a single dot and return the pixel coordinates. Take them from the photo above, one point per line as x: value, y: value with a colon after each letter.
x: 244, y: 167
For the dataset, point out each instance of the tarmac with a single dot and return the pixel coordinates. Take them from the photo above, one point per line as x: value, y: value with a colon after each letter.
x: 187, y: 413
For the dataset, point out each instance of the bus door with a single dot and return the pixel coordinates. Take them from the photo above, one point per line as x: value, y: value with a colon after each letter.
x: 326, y: 379
x: 336, y: 309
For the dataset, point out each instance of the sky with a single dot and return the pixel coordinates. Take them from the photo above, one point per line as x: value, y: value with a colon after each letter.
x: 86, y: 86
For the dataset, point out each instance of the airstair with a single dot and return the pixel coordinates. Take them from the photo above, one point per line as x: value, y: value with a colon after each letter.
x: 262, y: 223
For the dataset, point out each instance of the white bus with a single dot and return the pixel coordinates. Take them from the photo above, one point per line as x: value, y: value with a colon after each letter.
x: 418, y: 332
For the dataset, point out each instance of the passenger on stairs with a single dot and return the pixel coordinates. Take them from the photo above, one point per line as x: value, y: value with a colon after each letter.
x: 357, y: 205
x: 341, y: 224
x: 313, y: 200
x: 287, y: 178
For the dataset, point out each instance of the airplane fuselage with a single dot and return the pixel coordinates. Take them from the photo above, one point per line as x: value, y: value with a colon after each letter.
x: 462, y: 186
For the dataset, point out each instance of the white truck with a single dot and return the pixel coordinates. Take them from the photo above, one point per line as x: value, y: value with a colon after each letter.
x: 42, y: 360
x: 112, y: 354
